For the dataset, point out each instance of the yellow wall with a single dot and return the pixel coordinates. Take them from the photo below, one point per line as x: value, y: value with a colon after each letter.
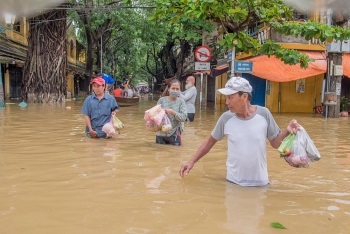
x: 272, y: 98
x: 7, y: 84
x: 71, y: 49
x: 294, y: 102
x: 70, y: 83
x: 220, y: 82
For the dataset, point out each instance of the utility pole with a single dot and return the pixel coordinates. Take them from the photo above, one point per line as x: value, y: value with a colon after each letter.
x: 333, y: 81
x: 334, y: 84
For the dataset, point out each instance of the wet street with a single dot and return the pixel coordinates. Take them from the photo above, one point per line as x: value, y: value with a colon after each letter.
x: 55, y: 180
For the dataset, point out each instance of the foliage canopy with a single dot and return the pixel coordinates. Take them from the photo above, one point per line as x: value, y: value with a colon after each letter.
x: 236, y: 16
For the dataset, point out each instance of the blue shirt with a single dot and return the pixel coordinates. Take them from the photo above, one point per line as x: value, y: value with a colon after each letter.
x: 108, y: 79
x: 99, y: 111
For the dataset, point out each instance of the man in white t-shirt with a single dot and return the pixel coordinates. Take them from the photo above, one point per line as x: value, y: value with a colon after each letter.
x: 247, y: 127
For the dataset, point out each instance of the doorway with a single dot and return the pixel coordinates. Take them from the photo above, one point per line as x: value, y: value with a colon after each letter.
x: 259, y: 89
x: 15, y: 82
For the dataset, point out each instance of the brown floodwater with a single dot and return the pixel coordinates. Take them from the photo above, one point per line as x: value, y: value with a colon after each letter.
x: 55, y: 180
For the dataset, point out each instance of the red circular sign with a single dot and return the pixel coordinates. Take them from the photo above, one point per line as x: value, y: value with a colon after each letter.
x: 202, y: 54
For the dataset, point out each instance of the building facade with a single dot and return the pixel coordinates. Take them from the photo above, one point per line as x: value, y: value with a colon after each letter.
x: 13, y: 51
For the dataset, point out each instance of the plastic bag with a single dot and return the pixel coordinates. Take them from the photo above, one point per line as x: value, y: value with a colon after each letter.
x: 298, y: 157
x: 156, y: 114
x: 147, y: 117
x: 117, y: 123
x: 152, y: 126
x: 312, y: 152
x: 108, y: 128
x: 166, y: 124
x: 286, y: 147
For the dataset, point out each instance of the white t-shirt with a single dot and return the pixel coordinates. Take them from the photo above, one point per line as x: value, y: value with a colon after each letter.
x: 246, y: 162
x: 130, y: 93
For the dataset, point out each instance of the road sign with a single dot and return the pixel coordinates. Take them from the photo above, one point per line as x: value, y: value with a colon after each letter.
x: 229, y: 55
x: 202, y: 54
x: 243, y: 66
x: 199, y: 66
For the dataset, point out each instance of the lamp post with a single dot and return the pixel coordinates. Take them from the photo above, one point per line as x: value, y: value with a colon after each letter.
x: 101, y: 46
x: 9, y: 19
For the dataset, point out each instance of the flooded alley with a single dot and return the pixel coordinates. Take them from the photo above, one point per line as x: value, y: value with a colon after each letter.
x: 55, y: 180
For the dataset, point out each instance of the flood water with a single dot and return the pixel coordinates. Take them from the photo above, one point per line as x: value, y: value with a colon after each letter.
x: 55, y: 180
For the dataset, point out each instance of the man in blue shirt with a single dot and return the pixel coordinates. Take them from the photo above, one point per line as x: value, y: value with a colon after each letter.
x: 109, y: 81
x: 98, y: 108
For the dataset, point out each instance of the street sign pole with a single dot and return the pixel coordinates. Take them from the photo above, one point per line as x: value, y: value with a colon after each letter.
x: 202, y: 55
x: 233, y: 61
x: 201, y: 92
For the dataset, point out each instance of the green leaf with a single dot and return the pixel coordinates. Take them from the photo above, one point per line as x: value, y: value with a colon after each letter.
x: 277, y: 225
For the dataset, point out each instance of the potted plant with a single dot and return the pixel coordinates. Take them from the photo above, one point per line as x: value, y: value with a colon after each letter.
x: 343, y: 106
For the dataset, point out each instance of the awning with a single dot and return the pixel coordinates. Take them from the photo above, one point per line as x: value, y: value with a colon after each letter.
x: 346, y: 65
x: 217, y: 71
x: 274, y: 69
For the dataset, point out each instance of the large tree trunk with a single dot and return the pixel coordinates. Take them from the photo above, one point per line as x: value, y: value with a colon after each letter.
x: 44, y: 73
x: 180, y: 60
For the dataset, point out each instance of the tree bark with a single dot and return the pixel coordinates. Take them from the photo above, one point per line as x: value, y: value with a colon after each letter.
x: 44, y: 73
x: 180, y: 60
x: 335, y: 84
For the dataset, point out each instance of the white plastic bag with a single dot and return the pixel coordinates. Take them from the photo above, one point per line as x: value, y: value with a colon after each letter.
x: 304, y: 151
x: 298, y: 158
x: 311, y: 150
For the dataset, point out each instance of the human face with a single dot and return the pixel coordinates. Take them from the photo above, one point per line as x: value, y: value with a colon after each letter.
x: 188, y: 85
x: 175, y: 87
x: 174, y: 90
x: 189, y: 82
x: 98, y: 89
x: 235, y: 102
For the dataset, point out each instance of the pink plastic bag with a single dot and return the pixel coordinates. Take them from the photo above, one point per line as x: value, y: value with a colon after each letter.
x: 108, y: 128
x: 146, y: 117
x: 156, y: 114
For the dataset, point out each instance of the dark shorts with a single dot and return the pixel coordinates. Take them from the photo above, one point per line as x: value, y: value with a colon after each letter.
x: 174, y: 139
x: 190, y: 117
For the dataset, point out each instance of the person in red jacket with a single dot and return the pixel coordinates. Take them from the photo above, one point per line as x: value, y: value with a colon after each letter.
x: 118, y: 92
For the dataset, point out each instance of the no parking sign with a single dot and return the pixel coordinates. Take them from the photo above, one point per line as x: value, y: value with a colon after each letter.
x: 202, y: 54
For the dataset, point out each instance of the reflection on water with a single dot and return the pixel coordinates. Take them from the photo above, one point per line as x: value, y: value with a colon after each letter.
x: 55, y: 180
x: 244, y: 208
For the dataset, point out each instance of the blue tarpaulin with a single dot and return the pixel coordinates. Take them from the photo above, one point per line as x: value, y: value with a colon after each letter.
x: 108, y: 79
